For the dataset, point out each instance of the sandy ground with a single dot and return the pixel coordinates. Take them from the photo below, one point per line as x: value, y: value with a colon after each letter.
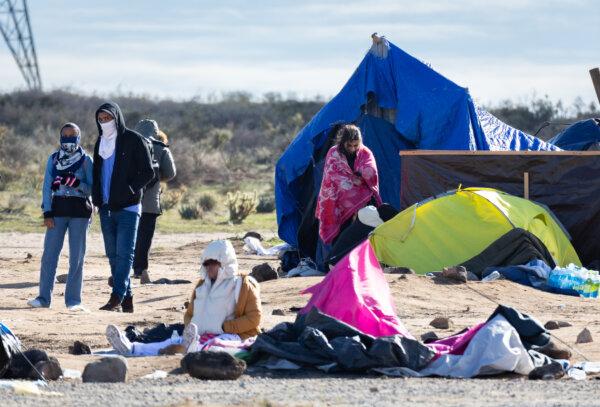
x: 418, y: 301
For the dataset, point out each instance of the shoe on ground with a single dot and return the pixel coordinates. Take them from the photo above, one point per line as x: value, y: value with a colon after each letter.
x: 36, y: 303
x: 113, y: 304
x: 190, y: 338
x: 145, y: 277
x: 118, y: 340
x: 77, y: 308
x: 127, y: 304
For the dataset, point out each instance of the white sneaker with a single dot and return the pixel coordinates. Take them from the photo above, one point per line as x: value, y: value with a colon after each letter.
x: 190, y: 338
x: 36, y: 303
x: 118, y: 340
x: 78, y: 308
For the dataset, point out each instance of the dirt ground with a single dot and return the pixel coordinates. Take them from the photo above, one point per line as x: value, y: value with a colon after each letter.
x: 418, y: 299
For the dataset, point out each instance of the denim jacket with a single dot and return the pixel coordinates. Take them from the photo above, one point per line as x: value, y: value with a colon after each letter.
x: 83, y: 190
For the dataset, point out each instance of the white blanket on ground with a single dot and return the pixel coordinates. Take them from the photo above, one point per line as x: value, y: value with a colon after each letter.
x: 495, y: 348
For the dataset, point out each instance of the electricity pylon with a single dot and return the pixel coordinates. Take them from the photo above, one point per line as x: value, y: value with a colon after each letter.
x: 16, y: 30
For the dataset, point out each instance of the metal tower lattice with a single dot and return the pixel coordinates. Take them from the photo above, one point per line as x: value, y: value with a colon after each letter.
x: 16, y: 30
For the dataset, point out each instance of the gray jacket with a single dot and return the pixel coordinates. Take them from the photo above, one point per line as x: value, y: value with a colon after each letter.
x: 167, y: 171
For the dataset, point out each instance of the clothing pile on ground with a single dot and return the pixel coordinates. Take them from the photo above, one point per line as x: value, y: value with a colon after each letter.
x: 349, y: 325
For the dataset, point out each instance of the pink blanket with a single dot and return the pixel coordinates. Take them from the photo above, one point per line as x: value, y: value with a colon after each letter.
x: 355, y: 291
x: 343, y: 192
x: 455, y: 344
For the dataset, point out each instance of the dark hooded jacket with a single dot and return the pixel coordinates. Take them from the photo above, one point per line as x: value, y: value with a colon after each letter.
x: 133, y: 165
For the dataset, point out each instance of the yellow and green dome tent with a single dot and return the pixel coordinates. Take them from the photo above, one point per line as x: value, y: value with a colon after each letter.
x: 459, y: 225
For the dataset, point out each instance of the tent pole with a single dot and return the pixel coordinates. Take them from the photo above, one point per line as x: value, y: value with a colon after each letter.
x: 595, y: 74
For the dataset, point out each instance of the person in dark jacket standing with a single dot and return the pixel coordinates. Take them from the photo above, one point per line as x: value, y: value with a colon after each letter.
x: 151, y: 209
x: 122, y: 168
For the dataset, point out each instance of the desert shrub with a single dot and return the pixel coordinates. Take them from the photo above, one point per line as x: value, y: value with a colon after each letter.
x: 16, y: 205
x: 266, y: 204
x: 171, y: 197
x: 241, y: 205
x: 207, y: 202
x: 6, y: 177
x: 190, y: 211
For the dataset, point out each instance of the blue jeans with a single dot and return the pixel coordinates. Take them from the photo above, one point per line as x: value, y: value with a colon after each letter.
x: 119, y: 229
x: 53, y: 244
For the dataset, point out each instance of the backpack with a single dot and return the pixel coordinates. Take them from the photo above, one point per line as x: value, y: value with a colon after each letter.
x: 155, y: 164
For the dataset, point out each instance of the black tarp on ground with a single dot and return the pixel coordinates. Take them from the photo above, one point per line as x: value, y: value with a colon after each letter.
x: 566, y: 182
x: 320, y: 341
x: 512, y: 249
x: 316, y: 339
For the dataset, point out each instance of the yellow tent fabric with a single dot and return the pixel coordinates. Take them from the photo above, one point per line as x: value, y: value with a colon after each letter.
x: 452, y: 229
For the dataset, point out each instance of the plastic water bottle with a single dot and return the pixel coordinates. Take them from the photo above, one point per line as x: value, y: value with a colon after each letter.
x: 557, y: 278
x: 494, y: 275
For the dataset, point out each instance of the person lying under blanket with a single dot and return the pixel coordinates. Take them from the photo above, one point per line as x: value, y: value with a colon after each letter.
x: 224, y: 306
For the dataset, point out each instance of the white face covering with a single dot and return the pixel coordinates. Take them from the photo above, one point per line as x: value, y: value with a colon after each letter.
x: 108, y: 139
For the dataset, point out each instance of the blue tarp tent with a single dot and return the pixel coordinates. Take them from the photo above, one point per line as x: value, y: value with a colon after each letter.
x: 425, y: 111
x: 581, y: 136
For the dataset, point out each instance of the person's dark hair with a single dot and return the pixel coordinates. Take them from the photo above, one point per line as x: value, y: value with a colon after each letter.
x: 348, y: 132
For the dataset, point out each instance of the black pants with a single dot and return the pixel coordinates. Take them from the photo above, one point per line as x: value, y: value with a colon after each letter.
x: 145, y: 233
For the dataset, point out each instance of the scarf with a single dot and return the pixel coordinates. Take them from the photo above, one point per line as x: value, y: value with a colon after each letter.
x: 108, y: 139
x: 345, y: 190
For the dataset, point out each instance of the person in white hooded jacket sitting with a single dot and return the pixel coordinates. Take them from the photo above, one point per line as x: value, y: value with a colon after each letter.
x: 224, y: 304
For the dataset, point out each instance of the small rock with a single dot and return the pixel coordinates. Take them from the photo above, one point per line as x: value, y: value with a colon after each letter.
x: 264, y: 272
x: 373, y: 389
x: 50, y: 369
x: 80, y: 348
x: 29, y: 256
x: 62, y: 278
x: 457, y: 273
x: 106, y: 370
x: 429, y: 337
x: 556, y: 324
x: 402, y: 277
x: 584, y: 336
x: 398, y: 270
x: 551, y: 371
x: 213, y: 365
x: 441, y: 323
x: 278, y: 311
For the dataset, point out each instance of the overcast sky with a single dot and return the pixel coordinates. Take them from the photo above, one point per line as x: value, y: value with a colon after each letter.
x: 181, y: 49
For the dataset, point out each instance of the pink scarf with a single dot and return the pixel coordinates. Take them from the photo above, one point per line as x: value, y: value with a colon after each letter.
x: 343, y: 192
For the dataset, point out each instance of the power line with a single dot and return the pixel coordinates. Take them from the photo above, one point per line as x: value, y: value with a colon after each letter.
x: 16, y: 30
